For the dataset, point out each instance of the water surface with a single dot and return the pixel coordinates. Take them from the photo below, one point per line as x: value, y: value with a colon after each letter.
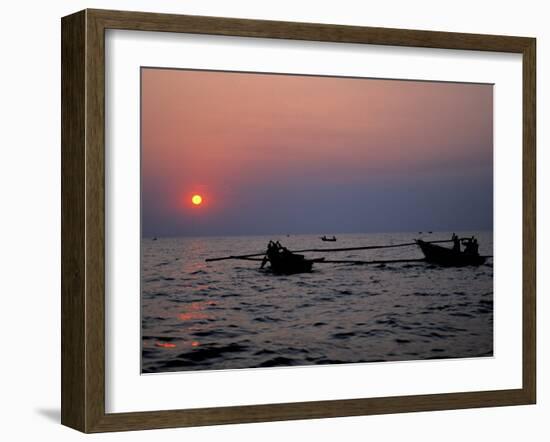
x: 229, y: 314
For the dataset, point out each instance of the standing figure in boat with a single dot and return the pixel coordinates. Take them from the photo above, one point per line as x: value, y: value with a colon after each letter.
x: 283, y: 261
x: 456, y: 243
x: 471, y: 246
x: 272, y: 250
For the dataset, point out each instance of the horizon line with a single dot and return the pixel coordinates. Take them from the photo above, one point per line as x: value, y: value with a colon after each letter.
x: 417, y: 232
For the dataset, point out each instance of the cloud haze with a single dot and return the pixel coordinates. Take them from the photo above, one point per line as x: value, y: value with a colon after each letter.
x: 303, y: 154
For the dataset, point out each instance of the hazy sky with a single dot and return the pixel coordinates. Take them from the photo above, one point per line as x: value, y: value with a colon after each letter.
x: 301, y: 154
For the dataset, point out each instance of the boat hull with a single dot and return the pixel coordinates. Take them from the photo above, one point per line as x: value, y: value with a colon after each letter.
x: 447, y: 257
x: 284, y: 267
x: 290, y: 263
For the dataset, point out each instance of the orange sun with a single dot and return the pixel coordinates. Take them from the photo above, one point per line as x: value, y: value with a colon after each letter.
x: 196, y: 200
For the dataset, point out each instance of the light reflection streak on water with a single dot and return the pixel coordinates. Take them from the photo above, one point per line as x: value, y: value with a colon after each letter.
x: 227, y: 314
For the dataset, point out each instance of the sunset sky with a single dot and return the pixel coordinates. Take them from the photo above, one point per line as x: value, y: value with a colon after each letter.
x: 284, y: 154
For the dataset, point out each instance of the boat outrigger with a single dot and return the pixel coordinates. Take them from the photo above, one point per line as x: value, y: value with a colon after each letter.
x: 283, y: 261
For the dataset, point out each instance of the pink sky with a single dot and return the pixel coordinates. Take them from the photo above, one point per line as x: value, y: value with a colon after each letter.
x: 230, y: 136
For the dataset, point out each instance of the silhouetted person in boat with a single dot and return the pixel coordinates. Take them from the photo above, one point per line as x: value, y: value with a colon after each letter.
x: 472, y: 247
x: 285, y: 253
x: 276, y: 251
x: 271, y: 249
x: 467, y: 245
x: 456, y: 243
x: 475, y: 247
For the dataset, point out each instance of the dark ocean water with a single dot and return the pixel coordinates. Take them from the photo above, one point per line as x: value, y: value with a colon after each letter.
x: 229, y: 314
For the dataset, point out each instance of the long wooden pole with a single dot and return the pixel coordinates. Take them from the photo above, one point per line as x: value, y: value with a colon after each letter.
x: 342, y: 249
x: 386, y: 261
x: 235, y: 257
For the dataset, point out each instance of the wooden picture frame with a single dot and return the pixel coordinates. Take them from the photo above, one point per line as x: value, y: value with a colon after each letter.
x: 83, y: 220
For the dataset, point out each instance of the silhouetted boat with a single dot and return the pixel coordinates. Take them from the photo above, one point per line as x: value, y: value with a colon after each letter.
x: 286, y: 262
x: 324, y: 238
x: 282, y: 261
x: 448, y: 257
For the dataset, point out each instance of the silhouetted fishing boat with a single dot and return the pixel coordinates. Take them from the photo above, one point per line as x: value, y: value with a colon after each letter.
x: 325, y: 238
x: 284, y: 262
x: 449, y: 257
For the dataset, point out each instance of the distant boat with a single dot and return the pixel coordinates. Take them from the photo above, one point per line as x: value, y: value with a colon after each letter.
x: 155, y: 238
x: 448, y: 257
x: 283, y: 262
x: 325, y: 238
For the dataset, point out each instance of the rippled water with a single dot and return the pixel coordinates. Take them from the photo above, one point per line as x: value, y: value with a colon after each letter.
x: 229, y: 314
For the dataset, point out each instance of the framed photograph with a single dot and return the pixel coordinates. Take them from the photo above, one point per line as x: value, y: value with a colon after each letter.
x: 267, y: 220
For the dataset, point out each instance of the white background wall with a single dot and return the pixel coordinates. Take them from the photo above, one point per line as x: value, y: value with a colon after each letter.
x: 30, y: 216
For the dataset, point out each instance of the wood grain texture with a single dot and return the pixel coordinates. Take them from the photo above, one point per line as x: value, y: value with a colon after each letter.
x: 308, y: 410
x: 73, y: 129
x: 95, y: 222
x: 83, y: 220
x: 144, y: 21
x: 529, y: 220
